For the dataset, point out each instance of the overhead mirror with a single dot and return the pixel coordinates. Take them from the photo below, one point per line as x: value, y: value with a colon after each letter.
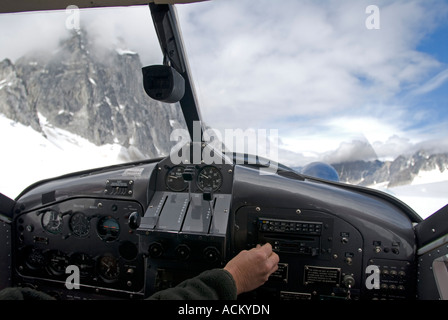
x: 163, y: 83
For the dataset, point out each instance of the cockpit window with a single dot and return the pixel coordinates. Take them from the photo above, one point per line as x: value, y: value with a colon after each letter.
x: 71, y: 93
x: 357, y: 86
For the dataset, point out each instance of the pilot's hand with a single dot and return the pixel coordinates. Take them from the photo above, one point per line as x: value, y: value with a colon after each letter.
x: 250, y: 269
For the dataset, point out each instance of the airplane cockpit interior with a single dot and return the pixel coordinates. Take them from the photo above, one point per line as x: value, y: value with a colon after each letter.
x: 133, y: 229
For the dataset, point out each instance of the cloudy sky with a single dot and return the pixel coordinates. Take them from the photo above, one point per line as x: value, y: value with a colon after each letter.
x: 311, y: 69
x: 314, y: 70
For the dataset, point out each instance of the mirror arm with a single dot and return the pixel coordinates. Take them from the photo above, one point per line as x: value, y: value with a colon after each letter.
x: 166, y: 26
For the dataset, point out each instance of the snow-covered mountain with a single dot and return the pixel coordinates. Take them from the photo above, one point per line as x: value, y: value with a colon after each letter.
x: 401, y: 171
x: 420, y: 180
x: 79, y: 107
x: 95, y: 93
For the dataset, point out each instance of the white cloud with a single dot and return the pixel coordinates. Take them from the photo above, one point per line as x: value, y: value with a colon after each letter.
x: 288, y: 66
x: 131, y: 27
x: 351, y: 151
x: 433, y: 83
x: 24, y: 32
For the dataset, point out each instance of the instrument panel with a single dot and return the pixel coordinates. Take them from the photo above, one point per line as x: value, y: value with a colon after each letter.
x: 327, y: 239
x: 91, y: 234
x: 133, y: 231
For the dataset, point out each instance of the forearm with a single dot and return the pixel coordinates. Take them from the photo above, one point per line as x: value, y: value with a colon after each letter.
x: 216, y: 284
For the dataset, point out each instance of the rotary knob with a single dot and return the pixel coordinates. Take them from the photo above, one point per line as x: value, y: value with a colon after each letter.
x: 183, y: 252
x: 155, y: 250
x: 211, y: 254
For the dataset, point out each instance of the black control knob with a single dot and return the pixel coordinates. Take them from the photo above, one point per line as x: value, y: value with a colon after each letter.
x: 211, y: 254
x: 188, y: 174
x: 183, y: 252
x: 134, y: 220
x: 155, y: 250
x: 208, y: 194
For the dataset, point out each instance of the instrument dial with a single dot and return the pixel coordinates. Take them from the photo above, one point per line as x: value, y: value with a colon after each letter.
x: 80, y: 225
x: 174, y: 180
x: 209, y: 177
x: 57, y: 262
x: 52, y: 221
x: 108, y: 228
x: 108, y: 268
x: 84, y: 262
x: 35, y: 259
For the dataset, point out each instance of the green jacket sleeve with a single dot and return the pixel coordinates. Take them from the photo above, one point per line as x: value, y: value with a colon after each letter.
x: 23, y: 294
x: 215, y: 284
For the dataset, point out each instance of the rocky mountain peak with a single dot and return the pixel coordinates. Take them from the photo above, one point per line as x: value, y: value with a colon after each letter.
x: 77, y: 43
x: 401, y: 171
x: 13, y: 96
x: 96, y: 93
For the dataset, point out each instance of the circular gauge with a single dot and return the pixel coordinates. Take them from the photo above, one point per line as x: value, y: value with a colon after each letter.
x: 57, y: 262
x: 35, y: 259
x: 174, y: 180
x: 79, y: 225
x: 209, y: 177
x: 84, y: 262
x: 52, y: 221
x: 108, y: 228
x: 108, y: 268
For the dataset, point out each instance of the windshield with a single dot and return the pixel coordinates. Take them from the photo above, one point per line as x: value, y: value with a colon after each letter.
x: 71, y: 93
x: 344, y: 90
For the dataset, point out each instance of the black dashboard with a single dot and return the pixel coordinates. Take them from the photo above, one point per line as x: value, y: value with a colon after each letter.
x: 139, y: 228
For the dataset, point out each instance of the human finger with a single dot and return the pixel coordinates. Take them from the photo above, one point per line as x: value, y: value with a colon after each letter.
x: 267, y: 249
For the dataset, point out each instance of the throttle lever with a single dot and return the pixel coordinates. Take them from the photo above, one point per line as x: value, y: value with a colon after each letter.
x: 207, y: 195
x: 188, y: 175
